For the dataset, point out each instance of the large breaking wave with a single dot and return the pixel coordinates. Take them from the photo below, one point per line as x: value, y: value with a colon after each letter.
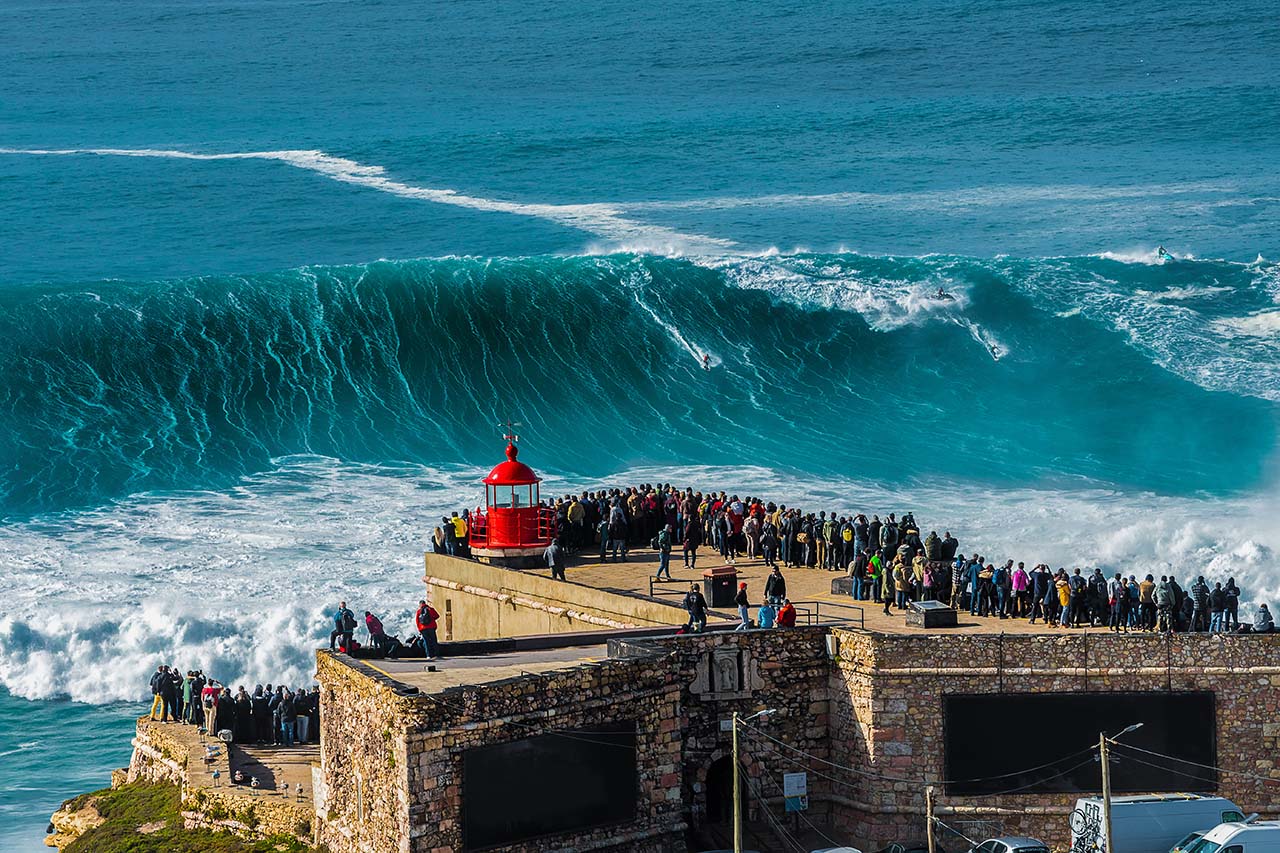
x: 1092, y: 369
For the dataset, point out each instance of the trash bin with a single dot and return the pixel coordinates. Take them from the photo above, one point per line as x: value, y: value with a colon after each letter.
x: 719, y: 585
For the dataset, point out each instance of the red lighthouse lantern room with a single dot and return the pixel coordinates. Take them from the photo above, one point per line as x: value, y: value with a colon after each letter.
x: 514, y: 528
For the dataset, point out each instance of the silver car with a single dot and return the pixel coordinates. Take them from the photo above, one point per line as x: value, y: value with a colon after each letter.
x: 1011, y: 844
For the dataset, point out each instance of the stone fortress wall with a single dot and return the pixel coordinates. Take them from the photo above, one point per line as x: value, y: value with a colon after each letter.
x: 887, y: 693
x: 481, y: 601
x: 874, y: 705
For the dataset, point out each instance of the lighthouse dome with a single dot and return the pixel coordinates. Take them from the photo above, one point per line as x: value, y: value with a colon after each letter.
x: 511, y: 472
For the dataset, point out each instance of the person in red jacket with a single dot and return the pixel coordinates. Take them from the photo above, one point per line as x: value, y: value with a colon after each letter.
x: 427, y: 618
x: 377, y: 636
x: 787, y: 615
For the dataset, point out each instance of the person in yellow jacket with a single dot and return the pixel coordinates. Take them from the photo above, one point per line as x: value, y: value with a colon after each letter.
x: 460, y: 532
x: 917, y: 575
x: 1064, y: 599
x: 577, y: 516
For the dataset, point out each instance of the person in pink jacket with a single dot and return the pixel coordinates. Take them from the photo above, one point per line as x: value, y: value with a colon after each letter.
x: 1021, y: 591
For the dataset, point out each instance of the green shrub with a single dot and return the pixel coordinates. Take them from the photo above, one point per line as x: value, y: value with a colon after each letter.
x: 139, y: 803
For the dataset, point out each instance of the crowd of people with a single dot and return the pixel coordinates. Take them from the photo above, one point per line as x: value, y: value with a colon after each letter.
x: 888, y: 560
x: 269, y: 715
x: 1073, y: 600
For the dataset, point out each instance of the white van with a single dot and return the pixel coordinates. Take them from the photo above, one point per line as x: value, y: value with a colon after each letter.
x: 1148, y: 823
x: 1262, y: 836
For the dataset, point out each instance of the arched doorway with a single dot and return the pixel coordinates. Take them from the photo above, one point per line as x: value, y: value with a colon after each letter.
x: 720, y: 791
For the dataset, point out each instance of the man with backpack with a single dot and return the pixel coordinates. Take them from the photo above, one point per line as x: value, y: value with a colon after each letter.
x: 696, y: 605
x: 662, y: 544
x: 1000, y: 583
x: 344, y: 625
x: 427, y: 619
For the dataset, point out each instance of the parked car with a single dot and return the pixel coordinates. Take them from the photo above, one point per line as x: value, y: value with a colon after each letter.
x: 837, y: 850
x: 1261, y: 836
x: 1011, y: 844
x: 910, y: 847
x: 1185, y: 844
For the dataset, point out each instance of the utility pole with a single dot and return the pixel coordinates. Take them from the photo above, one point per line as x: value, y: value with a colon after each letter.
x: 737, y: 777
x: 1103, y: 753
x: 737, y: 791
x: 928, y: 816
x: 1106, y: 789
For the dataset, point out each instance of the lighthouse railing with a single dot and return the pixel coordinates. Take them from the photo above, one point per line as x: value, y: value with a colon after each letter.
x: 546, y: 524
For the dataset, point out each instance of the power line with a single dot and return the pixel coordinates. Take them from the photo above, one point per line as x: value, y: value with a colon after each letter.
x: 1216, y: 769
x: 1193, y: 776
x: 913, y: 781
x: 801, y: 814
x: 967, y: 839
x: 797, y: 763
x: 1072, y: 769
x: 786, y: 836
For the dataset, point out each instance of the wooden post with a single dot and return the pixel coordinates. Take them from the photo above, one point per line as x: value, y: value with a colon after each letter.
x: 928, y: 816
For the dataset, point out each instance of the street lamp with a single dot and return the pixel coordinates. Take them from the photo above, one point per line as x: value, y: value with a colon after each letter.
x: 1103, y: 740
x: 737, y: 795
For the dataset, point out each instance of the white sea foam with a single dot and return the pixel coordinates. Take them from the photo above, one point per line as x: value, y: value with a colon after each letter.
x: 1180, y: 294
x: 605, y: 220
x: 1263, y: 324
x: 239, y: 582
x: 943, y: 199
x: 812, y: 282
x: 1150, y: 257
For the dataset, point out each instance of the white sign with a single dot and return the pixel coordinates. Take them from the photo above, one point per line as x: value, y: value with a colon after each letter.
x: 795, y: 784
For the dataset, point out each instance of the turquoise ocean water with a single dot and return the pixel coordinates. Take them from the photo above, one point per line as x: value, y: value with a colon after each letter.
x: 271, y: 273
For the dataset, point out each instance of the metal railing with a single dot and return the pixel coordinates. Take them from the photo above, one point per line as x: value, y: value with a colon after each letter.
x: 828, y: 613
x: 529, y: 530
x: 657, y: 588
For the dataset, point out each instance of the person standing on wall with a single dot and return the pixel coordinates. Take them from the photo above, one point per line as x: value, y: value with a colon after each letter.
x: 1233, y: 604
x: 377, y: 635
x: 344, y: 623
x: 157, y: 702
x: 427, y: 619
x: 744, y: 605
